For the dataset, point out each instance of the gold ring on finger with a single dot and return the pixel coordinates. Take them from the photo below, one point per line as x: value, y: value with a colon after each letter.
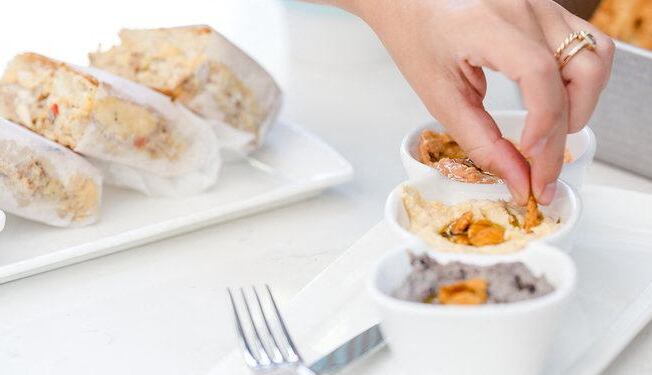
x: 576, y: 42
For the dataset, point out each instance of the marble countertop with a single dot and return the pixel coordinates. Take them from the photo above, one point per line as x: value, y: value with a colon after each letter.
x: 156, y: 308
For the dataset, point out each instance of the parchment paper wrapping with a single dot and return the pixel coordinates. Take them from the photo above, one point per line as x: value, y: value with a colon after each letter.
x: 214, y: 48
x: 258, y: 80
x: 43, y: 181
x: 196, y: 168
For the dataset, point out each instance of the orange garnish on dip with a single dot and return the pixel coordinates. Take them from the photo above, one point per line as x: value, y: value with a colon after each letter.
x: 533, y: 216
x: 465, y: 231
x: 466, y: 292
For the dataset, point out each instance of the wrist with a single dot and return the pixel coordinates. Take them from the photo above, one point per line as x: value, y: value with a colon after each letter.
x: 368, y: 10
x: 351, y: 6
x: 365, y: 9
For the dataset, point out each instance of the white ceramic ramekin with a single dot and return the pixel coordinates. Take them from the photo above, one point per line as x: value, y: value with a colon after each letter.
x: 506, y: 339
x: 566, y: 206
x: 581, y: 145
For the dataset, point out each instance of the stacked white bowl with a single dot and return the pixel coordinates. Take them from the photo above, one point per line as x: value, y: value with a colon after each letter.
x: 512, y: 338
x: 581, y: 145
x: 501, y: 339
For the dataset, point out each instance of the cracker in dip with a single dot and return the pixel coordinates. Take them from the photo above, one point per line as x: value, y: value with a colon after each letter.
x: 457, y: 283
x: 474, y: 226
x: 442, y: 152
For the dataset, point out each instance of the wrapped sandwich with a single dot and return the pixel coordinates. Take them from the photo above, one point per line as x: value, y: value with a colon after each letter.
x: 196, y: 66
x: 138, y: 137
x: 44, y: 181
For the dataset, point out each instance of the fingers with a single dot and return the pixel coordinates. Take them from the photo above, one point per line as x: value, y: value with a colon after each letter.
x: 474, y: 129
x: 475, y: 76
x: 546, y: 160
x: 544, y: 138
x: 586, y: 74
x: 534, y: 68
x: 496, y: 154
x: 605, y: 46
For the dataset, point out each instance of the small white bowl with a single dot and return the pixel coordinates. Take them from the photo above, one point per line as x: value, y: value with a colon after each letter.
x: 506, y: 339
x: 566, y: 205
x: 581, y: 145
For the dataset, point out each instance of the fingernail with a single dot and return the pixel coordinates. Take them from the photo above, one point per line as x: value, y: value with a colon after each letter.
x: 518, y: 197
x: 547, y: 193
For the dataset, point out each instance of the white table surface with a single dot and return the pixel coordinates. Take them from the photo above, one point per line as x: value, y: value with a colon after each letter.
x: 151, y: 310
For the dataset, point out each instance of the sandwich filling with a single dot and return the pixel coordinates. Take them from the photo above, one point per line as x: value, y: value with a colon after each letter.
x: 181, y: 63
x: 32, y: 179
x: 61, y: 104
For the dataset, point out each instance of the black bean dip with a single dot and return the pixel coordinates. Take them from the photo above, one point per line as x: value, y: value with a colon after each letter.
x: 506, y: 282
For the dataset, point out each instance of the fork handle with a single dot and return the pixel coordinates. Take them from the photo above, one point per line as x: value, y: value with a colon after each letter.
x: 303, y: 370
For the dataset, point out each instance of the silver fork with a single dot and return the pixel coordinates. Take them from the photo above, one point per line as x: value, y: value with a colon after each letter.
x: 264, y: 339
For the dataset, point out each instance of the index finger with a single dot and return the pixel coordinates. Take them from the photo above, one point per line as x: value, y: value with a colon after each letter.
x: 533, y: 67
x: 476, y: 131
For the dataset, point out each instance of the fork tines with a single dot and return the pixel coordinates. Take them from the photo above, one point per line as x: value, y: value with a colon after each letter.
x: 262, y: 333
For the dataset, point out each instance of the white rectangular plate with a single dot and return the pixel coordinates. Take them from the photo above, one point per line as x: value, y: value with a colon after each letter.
x: 291, y: 166
x: 614, y: 300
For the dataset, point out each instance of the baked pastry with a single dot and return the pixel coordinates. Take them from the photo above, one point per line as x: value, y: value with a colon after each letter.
x: 44, y: 181
x: 114, y: 121
x: 627, y: 20
x: 198, y: 67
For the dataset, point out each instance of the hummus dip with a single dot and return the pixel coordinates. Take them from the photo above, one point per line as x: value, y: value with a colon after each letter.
x: 428, y: 220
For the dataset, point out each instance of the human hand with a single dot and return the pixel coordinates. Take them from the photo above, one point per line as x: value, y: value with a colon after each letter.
x: 440, y: 46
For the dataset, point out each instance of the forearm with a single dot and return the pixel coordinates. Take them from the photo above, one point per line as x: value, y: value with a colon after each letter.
x: 352, y: 6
